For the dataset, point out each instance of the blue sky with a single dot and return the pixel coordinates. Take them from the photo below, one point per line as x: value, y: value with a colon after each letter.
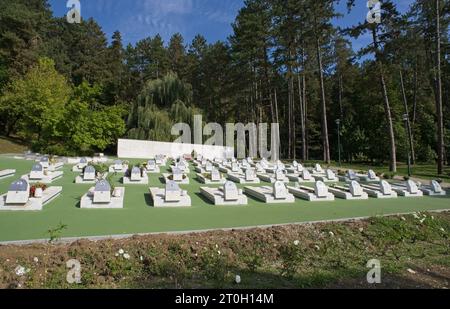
x: 138, y: 19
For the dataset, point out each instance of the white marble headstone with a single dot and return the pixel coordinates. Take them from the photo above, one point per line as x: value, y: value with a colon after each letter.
x: 83, y: 163
x: 330, y: 174
x: 151, y: 165
x: 411, y: 186
x: 234, y: 167
x: 436, y: 186
x: 215, y: 175
x: 279, y: 175
x: 45, y: 162
x: 37, y: 171
x: 371, y: 174
x: 279, y: 190
x: 231, y: 192
x: 320, y: 189
x: 135, y: 174
x: 89, y: 173
x: 18, y: 193
x: 306, y: 175
x: 172, y: 192
x: 318, y: 168
x: 356, y: 189
x: 102, y: 192
x: 118, y: 165
x: 177, y: 174
x: 250, y: 174
x: 351, y: 174
x: 208, y: 166
x: 158, y: 160
x: 385, y: 187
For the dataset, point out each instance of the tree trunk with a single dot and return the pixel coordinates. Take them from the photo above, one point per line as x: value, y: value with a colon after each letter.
x: 341, y: 90
x: 302, y: 119
x: 409, y: 130
x: 440, y: 116
x: 326, y: 144
x: 305, y: 114
x: 387, y: 106
x: 415, y: 93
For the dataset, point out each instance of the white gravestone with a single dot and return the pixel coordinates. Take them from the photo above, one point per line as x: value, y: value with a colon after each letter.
x: 371, y: 175
x: 231, y: 192
x: 351, y: 174
x: 172, y: 192
x: 356, y: 189
x: 44, y: 162
x: 320, y: 189
x: 306, y: 175
x: 264, y: 163
x: 330, y: 174
x: 386, y: 188
x: 280, y: 165
x: 135, y: 174
x: 215, y: 175
x: 279, y: 190
x: 234, y: 167
x: 118, y: 165
x: 208, y: 167
x: 158, y: 160
x: 89, y: 173
x: 294, y: 164
x: 177, y: 174
x: 37, y: 171
x: 318, y: 168
x: 83, y: 163
x: 250, y: 174
x: 259, y: 168
x: 18, y: 193
x: 279, y: 175
x: 412, y: 187
x: 300, y: 168
x: 436, y: 186
x: 151, y: 165
x: 102, y: 192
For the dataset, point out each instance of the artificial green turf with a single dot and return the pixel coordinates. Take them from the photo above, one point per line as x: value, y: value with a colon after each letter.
x: 139, y: 217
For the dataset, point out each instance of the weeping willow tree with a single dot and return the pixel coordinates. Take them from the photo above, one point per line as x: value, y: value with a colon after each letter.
x: 161, y: 104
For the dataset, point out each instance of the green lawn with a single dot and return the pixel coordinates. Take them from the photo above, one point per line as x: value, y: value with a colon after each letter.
x: 139, y: 217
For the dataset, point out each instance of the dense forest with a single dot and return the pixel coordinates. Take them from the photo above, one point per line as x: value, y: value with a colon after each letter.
x: 67, y: 89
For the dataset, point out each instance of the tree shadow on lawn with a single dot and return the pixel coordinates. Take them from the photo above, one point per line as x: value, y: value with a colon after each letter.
x: 328, y: 279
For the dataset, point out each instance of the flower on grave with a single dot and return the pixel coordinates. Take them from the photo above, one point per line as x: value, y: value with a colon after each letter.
x: 35, y: 259
x: 20, y: 270
x: 403, y: 218
x: 121, y: 251
x: 296, y: 242
x: 126, y: 256
x: 442, y: 230
x: 218, y: 252
x: 361, y: 229
x: 317, y: 247
x: 238, y: 279
x: 331, y: 234
x: 141, y: 258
